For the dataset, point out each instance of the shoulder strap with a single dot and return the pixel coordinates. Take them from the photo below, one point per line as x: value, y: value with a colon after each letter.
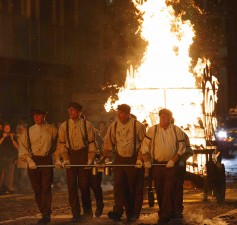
x: 85, y: 138
x: 28, y: 140
x: 53, y: 144
x: 86, y: 141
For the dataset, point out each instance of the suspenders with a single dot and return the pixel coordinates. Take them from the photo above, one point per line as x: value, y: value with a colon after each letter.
x: 176, y: 137
x: 110, y: 134
x: 85, y: 138
x: 53, y: 144
x: 28, y: 140
x: 86, y: 141
x: 134, y: 136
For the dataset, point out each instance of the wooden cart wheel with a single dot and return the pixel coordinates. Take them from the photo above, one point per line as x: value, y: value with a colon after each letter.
x: 221, y: 183
x: 217, y: 180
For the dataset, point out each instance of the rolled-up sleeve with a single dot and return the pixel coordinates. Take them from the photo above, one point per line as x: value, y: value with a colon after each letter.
x: 146, y: 145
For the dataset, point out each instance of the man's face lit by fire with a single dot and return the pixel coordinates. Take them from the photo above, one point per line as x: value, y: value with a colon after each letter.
x: 164, y: 120
x: 73, y: 113
x: 123, y: 117
x: 39, y: 118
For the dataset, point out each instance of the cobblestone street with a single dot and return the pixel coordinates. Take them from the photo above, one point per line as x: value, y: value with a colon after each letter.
x: 20, y: 209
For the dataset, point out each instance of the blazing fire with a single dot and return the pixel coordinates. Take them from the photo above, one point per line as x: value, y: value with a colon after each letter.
x: 164, y: 78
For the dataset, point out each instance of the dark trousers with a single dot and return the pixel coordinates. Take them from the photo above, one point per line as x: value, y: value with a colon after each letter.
x: 124, y: 186
x: 96, y: 181
x: 164, y: 182
x: 78, y: 177
x: 139, y: 191
x: 178, y: 198
x: 41, y: 180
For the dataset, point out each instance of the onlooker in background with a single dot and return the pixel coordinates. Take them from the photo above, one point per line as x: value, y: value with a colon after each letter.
x: 1, y: 161
x: 8, y: 157
x: 102, y: 129
x: 111, y: 120
x: 1, y: 128
x: 22, y: 181
x: 59, y: 178
x: 144, y: 122
x: 180, y: 177
x: 36, y: 146
x: 96, y: 179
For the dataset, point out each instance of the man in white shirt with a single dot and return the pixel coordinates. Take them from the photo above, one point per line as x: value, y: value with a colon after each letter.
x: 123, y: 138
x: 77, y: 146
x: 36, y: 146
x: 164, y: 144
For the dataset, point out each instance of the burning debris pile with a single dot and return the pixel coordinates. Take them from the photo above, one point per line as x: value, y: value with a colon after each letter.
x: 165, y: 78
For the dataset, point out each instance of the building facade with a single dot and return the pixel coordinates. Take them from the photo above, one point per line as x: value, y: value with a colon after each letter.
x: 56, y: 51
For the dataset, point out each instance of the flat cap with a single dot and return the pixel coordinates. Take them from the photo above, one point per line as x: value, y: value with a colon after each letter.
x: 38, y: 111
x: 166, y: 112
x: 124, y: 107
x: 75, y: 105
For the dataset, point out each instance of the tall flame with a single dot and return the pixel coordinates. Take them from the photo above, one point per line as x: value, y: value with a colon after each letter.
x: 164, y: 78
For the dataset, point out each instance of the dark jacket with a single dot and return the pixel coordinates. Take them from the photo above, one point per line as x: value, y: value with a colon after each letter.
x: 7, y: 149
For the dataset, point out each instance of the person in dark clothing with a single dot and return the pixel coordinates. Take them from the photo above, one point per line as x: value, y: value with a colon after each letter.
x: 180, y: 177
x: 1, y: 128
x: 102, y: 129
x: 8, y: 158
x: 139, y: 186
x: 96, y: 179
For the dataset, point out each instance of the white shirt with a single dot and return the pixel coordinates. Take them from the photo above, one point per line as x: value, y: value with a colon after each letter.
x: 123, y: 140
x: 41, y: 139
x: 77, y: 136
x: 162, y: 144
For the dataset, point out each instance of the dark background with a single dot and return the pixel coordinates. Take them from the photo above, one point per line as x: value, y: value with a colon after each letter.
x: 56, y: 51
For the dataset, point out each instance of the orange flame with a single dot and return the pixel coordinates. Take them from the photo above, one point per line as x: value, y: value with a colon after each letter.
x: 164, y: 78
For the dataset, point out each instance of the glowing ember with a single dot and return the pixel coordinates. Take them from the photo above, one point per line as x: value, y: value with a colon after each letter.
x: 164, y: 78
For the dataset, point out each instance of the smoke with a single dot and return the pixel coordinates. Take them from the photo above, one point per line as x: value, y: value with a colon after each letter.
x: 192, y: 218
x: 107, y: 186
